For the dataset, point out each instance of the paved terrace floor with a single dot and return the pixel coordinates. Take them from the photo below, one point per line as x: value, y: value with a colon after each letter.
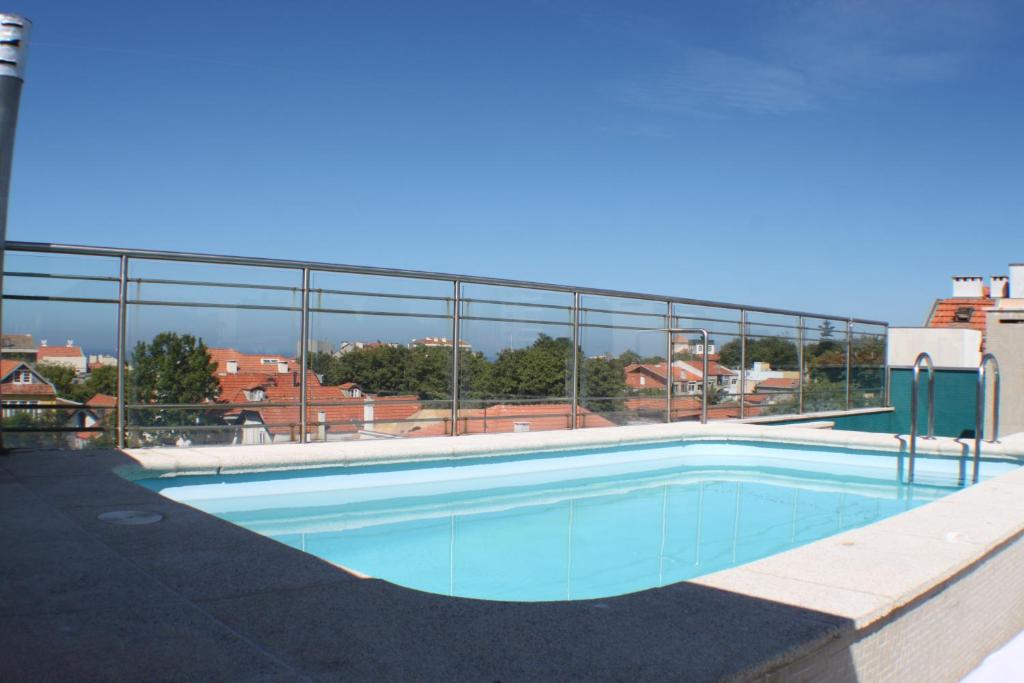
x: 196, y: 598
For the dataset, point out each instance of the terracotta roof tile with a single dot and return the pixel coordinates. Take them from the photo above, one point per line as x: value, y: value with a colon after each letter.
x: 59, y: 352
x: 944, y: 314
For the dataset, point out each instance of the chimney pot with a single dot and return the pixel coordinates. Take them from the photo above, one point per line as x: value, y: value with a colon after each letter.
x: 967, y: 287
x: 999, y: 286
x: 1016, y: 281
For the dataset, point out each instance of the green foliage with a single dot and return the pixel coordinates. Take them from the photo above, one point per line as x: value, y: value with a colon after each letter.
x: 779, y: 352
x: 603, y: 378
x: 543, y: 369
x: 63, y: 379
x: 102, y: 380
x: 172, y: 368
x: 35, y: 419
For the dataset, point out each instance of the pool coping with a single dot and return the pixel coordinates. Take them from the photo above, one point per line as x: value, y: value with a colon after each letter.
x: 173, y: 461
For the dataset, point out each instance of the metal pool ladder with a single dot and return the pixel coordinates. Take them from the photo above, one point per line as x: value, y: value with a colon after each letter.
x: 922, y: 357
x: 979, y: 411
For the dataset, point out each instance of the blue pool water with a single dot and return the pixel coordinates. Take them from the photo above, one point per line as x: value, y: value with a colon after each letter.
x: 570, y: 526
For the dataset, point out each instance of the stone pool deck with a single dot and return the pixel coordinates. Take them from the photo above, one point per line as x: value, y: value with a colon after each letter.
x: 921, y: 596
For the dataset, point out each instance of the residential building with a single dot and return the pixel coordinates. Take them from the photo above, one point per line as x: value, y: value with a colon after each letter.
x: 687, y: 376
x: 692, y: 346
x: 23, y: 387
x: 90, y: 415
x: 778, y: 385
x: 333, y: 412
x: 349, y: 346
x: 433, y: 342
x: 69, y: 355
x: 99, y: 360
x: 18, y: 347
x: 718, y: 375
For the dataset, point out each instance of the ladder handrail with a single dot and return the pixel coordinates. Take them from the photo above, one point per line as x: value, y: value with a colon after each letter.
x: 979, y: 410
x: 922, y: 357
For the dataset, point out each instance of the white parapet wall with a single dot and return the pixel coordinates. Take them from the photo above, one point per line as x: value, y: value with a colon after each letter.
x: 948, y: 347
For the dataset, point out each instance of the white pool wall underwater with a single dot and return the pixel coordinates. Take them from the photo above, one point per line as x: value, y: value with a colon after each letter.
x: 925, y: 595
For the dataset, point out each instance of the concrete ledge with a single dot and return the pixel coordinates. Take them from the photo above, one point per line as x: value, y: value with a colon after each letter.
x: 164, y: 462
x: 821, y: 415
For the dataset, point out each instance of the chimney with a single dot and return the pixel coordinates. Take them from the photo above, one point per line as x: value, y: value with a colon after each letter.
x: 967, y: 287
x: 1016, y: 281
x: 999, y: 286
x: 282, y: 367
x: 71, y: 342
x: 232, y: 366
x: 42, y: 342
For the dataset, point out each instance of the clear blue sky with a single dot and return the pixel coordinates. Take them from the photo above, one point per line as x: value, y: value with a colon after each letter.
x: 843, y: 157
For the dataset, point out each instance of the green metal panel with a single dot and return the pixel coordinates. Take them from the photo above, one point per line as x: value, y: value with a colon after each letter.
x: 954, y: 406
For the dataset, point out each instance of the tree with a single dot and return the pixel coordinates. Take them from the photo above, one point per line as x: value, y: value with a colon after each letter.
x: 540, y: 370
x: 62, y: 377
x: 173, y: 369
x: 779, y: 352
x: 35, y: 419
x: 102, y: 380
x: 604, y: 380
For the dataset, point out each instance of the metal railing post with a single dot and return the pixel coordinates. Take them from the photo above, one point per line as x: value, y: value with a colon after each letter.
x: 800, y: 362
x: 849, y: 350
x: 979, y: 411
x: 304, y: 360
x: 575, y: 392
x: 922, y: 358
x: 668, y: 362
x: 122, y: 351
x: 743, y: 362
x: 456, y: 343
x: 704, y: 388
x: 886, y: 372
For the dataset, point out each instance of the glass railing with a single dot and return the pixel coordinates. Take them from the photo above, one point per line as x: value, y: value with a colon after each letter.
x: 110, y: 347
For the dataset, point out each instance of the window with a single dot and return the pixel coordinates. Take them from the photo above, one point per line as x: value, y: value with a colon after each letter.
x: 23, y: 377
x: 643, y: 380
x: 269, y: 361
x: 963, y: 314
x: 255, y: 394
x: 11, y: 410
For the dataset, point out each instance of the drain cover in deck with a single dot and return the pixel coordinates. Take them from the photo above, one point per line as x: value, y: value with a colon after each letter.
x: 130, y: 517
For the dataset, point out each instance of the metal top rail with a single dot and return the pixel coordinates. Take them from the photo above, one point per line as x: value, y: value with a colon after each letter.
x: 81, y: 250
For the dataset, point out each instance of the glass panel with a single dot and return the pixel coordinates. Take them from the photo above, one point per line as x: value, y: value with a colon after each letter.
x: 867, y: 365
x: 516, y: 374
x: 59, y: 356
x: 773, y: 369
x: 723, y: 355
x: 623, y: 368
x: 824, y: 365
x: 380, y: 356
x: 153, y: 281
x: 222, y: 348
x: 61, y: 275
x: 257, y: 423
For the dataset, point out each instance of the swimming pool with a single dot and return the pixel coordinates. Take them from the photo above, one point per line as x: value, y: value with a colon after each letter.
x: 574, y: 525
